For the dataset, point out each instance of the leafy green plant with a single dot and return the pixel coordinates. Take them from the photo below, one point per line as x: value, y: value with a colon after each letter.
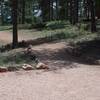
x: 56, y: 25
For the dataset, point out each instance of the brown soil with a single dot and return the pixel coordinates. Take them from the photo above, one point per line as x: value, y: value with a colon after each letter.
x: 6, y: 36
x: 73, y: 84
x: 68, y: 78
x: 60, y: 54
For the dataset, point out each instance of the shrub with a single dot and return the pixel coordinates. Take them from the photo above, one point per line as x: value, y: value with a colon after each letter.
x: 56, y: 25
x: 37, y: 23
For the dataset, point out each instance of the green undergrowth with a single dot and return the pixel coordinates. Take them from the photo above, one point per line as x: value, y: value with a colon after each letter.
x: 52, y: 31
x: 2, y: 28
x: 15, y: 57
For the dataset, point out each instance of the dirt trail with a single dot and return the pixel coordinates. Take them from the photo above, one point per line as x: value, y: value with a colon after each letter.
x: 79, y: 83
x: 55, y: 55
x: 6, y: 36
x: 72, y: 84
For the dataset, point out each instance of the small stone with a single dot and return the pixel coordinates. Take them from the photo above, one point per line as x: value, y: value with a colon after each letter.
x: 3, y: 69
x: 27, y: 67
x: 41, y: 65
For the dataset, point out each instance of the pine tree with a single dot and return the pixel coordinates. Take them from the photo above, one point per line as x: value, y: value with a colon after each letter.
x: 14, y: 22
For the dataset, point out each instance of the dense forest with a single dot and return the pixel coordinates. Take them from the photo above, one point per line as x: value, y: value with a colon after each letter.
x: 40, y: 11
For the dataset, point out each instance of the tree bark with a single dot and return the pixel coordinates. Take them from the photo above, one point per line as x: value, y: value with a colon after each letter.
x: 23, y: 11
x: 2, y: 17
x: 14, y: 22
x: 51, y: 10
x: 93, y: 21
x: 45, y: 7
x: 57, y: 15
x: 76, y: 11
x: 62, y: 10
x: 71, y: 11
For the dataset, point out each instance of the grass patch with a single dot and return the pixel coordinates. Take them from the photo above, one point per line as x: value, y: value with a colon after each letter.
x: 2, y: 28
x: 53, y: 31
x: 56, y: 25
x: 69, y: 33
x: 14, y: 57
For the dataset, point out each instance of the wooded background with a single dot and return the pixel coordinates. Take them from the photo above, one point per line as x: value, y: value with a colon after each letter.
x: 41, y: 11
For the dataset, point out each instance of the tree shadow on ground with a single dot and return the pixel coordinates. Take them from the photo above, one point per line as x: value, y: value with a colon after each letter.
x: 89, y: 52
x: 83, y: 53
x: 70, y: 56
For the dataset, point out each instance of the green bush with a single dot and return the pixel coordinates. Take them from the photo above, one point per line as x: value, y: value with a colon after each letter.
x: 14, y: 57
x: 28, y: 19
x: 56, y: 24
x: 37, y: 23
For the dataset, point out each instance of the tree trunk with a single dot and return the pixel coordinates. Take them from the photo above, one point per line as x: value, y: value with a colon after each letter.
x: 45, y: 7
x: 62, y: 10
x: 93, y: 21
x: 67, y: 10
x: 57, y: 15
x: 76, y: 11
x: 51, y: 10
x: 71, y: 12
x: 23, y: 11
x: 14, y: 22
x: 2, y: 17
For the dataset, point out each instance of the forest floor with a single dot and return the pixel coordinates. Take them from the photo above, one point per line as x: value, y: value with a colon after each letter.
x: 69, y: 77
x: 6, y: 36
x: 74, y: 84
x: 66, y: 79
